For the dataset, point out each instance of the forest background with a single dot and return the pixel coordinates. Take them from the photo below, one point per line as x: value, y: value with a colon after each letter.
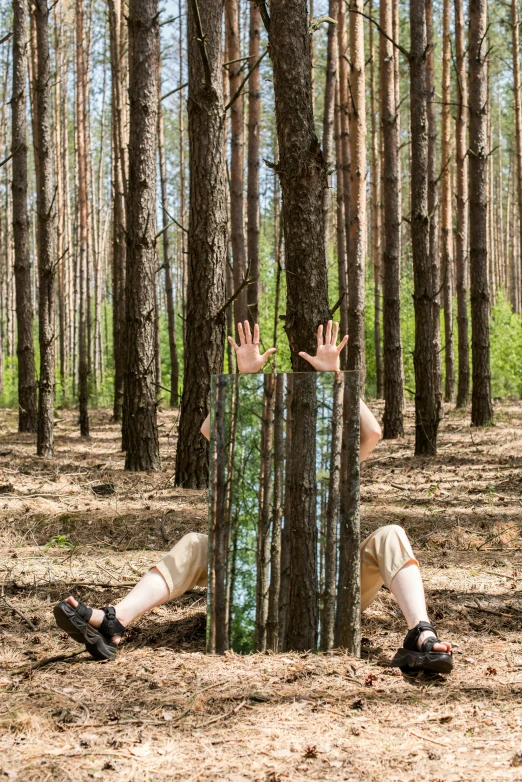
x: 503, y: 214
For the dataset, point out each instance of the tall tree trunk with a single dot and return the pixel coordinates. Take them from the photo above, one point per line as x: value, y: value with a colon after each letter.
x: 27, y: 410
x: 303, y: 178
x: 447, y: 207
x: 46, y: 237
x: 348, y: 614
x: 358, y: 223
x: 341, y: 227
x: 518, y: 107
x: 205, y: 327
x: 265, y: 513
x: 237, y: 133
x: 169, y: 287
x: 332, y: 516
x: 218, y: 637
x: 462, y: 207
x: 376, y: 221
x: 119, y: 246
x: 272, y: 623
x: 393, y: 424
x: 481, y: 404
x: 427, y: 408
x: 83, y: 216
x: 433, y: 197
x: 332, y: 65
x: 284, y: 592
x: 254, y: 123
x: 345, y: 110
x: 140, y: 375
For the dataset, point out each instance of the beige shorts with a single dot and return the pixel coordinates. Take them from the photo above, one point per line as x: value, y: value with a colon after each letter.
x: 383, y: 554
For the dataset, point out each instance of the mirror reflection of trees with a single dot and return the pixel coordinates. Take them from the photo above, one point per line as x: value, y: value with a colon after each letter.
x: 284, y: 512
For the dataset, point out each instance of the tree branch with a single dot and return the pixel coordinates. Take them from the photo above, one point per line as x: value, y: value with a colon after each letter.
x: 246, y: 281
x: 176, y: 89
x: 6, y: 37
x: 263, y: 10
x: 240, y: 88
x: 398, y: 46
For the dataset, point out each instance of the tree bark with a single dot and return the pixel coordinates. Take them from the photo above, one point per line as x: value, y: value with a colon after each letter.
x: 481, y: 404
x: 218, y: 636
x: 119, y: 246
x: 518, y: 108
x: 376, y: 221
x: 341, y: 228
x: 433, y: 197
x: 265, y: 512
x: 207, y: 242
x: 348, y: 615
x: 272, y: 623
x: 332, y: 516
x: 237, y: 134
x: 462, y: 207
x: 393, y: 423
x: 358, y: 222
x: 345, y: 110
x: 427, y: 408
x: 140, y: 375
x: 303, y: 176
x: 169, y: 287
x: 27, y: 409
x: 46, y: 236
x: 83, y: 216
x: 254, y: 122
x: 332, y: 65
x: 446, y: 208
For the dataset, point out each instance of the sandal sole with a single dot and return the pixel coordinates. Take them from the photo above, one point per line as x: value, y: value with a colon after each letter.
x: 79, y: 630
x: 410, y: 662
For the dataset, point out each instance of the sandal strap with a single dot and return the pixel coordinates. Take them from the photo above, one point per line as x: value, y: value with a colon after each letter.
x: 412, y: 636
x: 83, y: 611
x: 111, y: 625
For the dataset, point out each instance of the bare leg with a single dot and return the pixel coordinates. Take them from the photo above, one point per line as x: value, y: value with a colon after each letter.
x: 149, y: 592
x: 408, y: 590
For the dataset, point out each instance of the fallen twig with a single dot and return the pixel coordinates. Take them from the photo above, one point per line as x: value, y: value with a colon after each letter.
x: 17, y: 611
x: 221, y: 716
x: 487, y: 610
x: 425, y: 738
x: 48, y: 660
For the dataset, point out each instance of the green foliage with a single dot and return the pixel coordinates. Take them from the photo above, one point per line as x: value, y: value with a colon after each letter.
x: 59, y: 541
x: 506, y: 350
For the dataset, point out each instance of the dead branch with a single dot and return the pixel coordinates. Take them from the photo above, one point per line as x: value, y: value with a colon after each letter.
x: 17, y: 611
x: 48, y: 660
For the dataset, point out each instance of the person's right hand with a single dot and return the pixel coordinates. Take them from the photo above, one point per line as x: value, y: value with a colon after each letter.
x: 249, y: 359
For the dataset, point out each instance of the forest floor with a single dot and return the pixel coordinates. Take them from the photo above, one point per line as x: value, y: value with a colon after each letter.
x: 166, y: 711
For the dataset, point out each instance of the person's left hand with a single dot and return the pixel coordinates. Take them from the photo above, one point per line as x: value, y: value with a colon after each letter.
x: 327, y: 357
x: 249, y: 359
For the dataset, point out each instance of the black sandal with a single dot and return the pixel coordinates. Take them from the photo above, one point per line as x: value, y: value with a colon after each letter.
x: 75, y: 622
x: 410, y: 659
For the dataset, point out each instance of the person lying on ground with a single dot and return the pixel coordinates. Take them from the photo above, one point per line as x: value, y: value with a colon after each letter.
x: 386, y: 555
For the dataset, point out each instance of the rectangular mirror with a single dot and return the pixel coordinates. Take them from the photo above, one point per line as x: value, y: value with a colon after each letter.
x: 284, y: 512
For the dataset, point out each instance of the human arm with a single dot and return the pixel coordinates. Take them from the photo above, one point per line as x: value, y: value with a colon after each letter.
x: 249, y: 359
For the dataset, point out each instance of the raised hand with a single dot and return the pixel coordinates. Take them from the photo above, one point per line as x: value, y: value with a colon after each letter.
x: 249, y: 359
x: 327, y: 357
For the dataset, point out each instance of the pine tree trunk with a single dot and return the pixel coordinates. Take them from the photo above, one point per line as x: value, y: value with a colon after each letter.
x: 265, y: 508
x: 46, y: 237
x: 169, y: 287
x: 83, y: 215
x: 433, y: 197
x: 358, y: 223
x: 462, y: 207
x: 518, y: 107
x: 345, y: 110
x: 481, y: 404
x: 237, y: 132
x: 376, y: 221
x: 27, y: 410
x: 140, y: 375
x: 341, y: 232
x: 332, y: 65
x: 332, y: 516
x: 119, y: 247
x: 447, y: 208
x: 272, y: 624
x: 303, y: 176
x: 393, y: 424
x: 207, y: 239
x: 427, y: 408
x: 254, y: 121
x: 218, y: 555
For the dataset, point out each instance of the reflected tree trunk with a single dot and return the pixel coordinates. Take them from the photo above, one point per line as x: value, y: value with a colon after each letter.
x: 218, y: 603
x: 332, y: 516
x: 287, y: 511
x: 272, y: 624
x: 265, y: 513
